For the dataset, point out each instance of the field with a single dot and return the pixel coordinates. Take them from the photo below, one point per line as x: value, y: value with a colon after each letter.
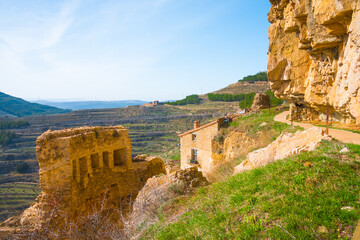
x: 152, y: 131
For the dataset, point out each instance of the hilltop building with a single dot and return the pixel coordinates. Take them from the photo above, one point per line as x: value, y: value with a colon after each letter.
x: 196, y: 145
x: 151, y: 104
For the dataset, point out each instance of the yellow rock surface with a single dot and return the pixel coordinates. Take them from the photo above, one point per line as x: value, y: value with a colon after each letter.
x: 285, y: 145
x: 86, y: 171
x: 314, y: 57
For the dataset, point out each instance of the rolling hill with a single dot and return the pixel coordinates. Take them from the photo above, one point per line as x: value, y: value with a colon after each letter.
x: 80, y: 105
x: 18, y: 107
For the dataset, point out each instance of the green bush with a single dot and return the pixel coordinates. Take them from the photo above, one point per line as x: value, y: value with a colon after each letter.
x: 274, y: 101
x: 6, y: 137
x: 192, y: 99
x: 9, y: 124
x: 260, y: 76
x: 226, y: 97
x: 247, y: 102
x: 22, y: 167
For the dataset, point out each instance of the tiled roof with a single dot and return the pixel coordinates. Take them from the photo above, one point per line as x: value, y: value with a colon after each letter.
x: 197, y: 129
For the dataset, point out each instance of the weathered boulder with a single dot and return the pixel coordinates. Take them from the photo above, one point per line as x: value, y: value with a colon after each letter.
x: 285, y: 145
x: 314, y: 57
x: 160, y: 189
x: 261, y: 101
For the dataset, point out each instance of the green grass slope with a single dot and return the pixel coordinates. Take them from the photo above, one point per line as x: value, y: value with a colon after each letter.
x: 287, y: 199
x: 21, y: 108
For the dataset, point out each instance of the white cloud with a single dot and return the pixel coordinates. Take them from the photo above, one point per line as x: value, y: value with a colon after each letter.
x: 59, y: 24
x: 39, y: 31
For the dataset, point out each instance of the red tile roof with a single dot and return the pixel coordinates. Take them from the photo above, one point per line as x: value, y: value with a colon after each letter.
x: 197, y: 129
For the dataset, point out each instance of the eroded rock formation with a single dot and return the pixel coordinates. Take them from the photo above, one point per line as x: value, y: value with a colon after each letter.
x: 160, y: 189
x: 285, y: 145
x: 261, y: 101
x: 314, y: 57
x: 85, y: 172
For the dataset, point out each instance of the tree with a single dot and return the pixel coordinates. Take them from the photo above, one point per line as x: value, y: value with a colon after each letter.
x: 22, y: 167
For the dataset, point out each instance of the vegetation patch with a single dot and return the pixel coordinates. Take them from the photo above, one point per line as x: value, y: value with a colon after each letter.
x: 274, y: 101
x: 227, y: 97
x: 260, y: 129
x: 260, y: 76
x: 192, y: 99
x: 13, y: 124
x: 314, y: 195
x: 21, y: 108
x: 6, y: 137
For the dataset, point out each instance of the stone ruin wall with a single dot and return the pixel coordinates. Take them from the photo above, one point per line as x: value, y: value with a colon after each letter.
x: 89, y: 168
x: 314, y: 57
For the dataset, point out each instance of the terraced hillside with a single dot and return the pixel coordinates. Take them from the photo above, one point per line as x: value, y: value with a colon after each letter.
x: 152, y: 130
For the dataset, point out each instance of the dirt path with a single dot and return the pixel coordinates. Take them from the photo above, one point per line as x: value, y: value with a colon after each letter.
x: 340, y: 135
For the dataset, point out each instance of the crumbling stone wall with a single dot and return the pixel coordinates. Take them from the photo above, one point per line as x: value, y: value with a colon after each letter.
x: 85, y: 171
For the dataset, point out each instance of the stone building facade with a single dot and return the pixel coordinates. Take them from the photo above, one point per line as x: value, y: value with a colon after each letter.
x: 196, y: 145
x: 86, y: 170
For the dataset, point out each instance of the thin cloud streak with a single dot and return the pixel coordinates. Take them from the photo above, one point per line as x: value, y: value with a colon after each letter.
x: 110, y: 50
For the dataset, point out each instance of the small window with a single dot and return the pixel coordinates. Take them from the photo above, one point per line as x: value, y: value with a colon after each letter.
x: 83, y: 170
x: 95, y: 161
x: 106, y: 158
x: 74, y: 168
x: 120, y: 157
x: 194, y: 137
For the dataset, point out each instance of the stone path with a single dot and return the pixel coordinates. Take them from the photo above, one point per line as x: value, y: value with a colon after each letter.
x: 340, y: 135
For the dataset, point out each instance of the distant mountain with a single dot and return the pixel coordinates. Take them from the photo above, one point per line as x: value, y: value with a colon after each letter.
x: 18, y: 107
x: 78, y: 105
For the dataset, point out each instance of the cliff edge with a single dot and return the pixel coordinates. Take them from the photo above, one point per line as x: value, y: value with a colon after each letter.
x: 314, y: 57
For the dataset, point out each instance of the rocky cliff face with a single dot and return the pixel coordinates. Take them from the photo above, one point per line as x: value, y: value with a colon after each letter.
x: 314, y: 57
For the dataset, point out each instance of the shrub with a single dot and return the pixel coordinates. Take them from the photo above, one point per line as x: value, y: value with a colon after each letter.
x: 274, y: 101
x: 22, y: 167
x: 6, y: 137
x: 226, y: 97
x: 192, y: 99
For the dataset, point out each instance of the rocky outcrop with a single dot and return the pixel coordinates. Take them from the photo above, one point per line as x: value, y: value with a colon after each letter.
x: 261, y: 101
x: 160, y: 189
x: 87, y: 171
x: 314, y: 57
x: 285, y: 145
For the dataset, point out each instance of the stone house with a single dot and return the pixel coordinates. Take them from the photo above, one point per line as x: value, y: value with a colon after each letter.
x: 92, y: 168
x: 196, y: 145
x: 151, y: 104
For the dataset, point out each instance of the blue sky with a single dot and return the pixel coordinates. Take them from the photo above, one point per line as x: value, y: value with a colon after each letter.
x: 128, y: 49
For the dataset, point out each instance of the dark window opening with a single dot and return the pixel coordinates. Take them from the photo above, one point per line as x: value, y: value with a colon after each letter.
x: 106, y: 158
x: 120, y: 157
x: 95, y: 161
x: 74, y: 168
x: 83, y: 170
x: 194, y: 136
